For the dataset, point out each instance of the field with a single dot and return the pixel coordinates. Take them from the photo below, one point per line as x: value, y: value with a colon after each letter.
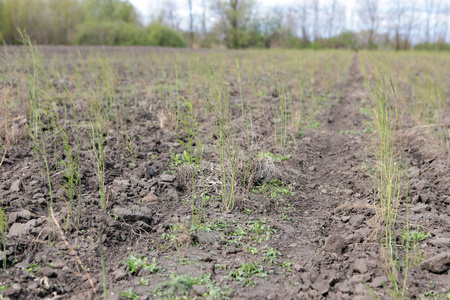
x: 150, y: 173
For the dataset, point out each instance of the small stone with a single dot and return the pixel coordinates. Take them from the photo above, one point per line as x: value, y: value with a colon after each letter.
x: 357, y: 220
x: 334, y: 244
x: 32, y: 285
x: 423, y: 184
x: 413, y: 171
x: 420, y: 208
x: 16, y: 186
x: 312, y: 168
x: 297, y: 267
x: 353, y: 239
x: 345, y: 219
x: 171, y: 144
x: 38, y: 195
x: 168, y: 177
x: 360, y: 292
x: 149, y: 172
x: 360, y: 278
x: 150, y: 198
x: 18, y: 229
x: 24, y: 214
x: 11, y: 292
x: 437, y: 264
x: 415, y: 199
x: 48, y: 272
x: 121, y: 182
x: 120, y: 185
x: 323, y: 191
x: 360, y: 266
x: 379, y: 281
x: 198, y: 290
x: 343, y: 287
x: 446, y: 199
x: 348, y: 192
x: 322, y: 286
x: 12, y: 218
x: 119, y: 275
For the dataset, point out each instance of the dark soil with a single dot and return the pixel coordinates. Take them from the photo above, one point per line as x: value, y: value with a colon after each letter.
x: 323, y: 241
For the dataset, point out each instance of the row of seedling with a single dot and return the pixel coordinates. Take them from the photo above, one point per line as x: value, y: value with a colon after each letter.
x: 422, y: 89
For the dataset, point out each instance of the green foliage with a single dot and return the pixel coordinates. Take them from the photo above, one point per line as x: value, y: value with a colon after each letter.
x: 177, y: 159
x: 3, y: 222
x: 274, y: 188
x: 32, y: 269
x: 114, y: 22
x: 89, y: 22
x: 259, y: 227
x: 129, y: 294
x: 439, y: 46
x: 109, y: 11
x: 165, y: 36
x: 271, y: 256
x: 3, y: 229
x: 135, y: 263
x: 410, y: 237
x: 245, y: 272
x: 112, y: 33
x: 177, y: 285
x: 46, y: 21
x: 235, y: 21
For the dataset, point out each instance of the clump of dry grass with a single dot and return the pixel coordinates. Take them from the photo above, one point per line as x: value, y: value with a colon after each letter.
x: 257, y: 171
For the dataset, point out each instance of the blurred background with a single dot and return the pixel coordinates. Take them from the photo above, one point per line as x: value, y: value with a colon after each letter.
x: 237, y: 24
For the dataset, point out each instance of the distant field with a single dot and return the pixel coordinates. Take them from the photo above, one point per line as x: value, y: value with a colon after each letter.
x: 258, y: 174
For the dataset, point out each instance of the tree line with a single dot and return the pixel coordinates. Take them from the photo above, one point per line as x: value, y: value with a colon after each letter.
x: 236, y: 24
x: 82, y: 22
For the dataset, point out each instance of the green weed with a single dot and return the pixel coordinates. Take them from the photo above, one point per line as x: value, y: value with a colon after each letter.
x: 245, y: 272
x: 177, y: 285
x: 273, y: 188
x: 135, y: 263
x: 129, y: 294
x: 271, y: 256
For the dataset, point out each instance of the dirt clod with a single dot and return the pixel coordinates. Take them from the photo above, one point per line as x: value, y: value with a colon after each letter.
x: 334, y: 244
x: 437, y: 264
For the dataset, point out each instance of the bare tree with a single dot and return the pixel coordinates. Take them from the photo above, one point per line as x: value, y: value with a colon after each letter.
x: 304, y: 20
x: 234, y: 16
x: 443, y: 17
x: 410, y: 21
x: 429, y: 9
x: 168, y: 14
x: 437, y: 11
x: 331, y: 18
x: 191, y: 23
x: 369, y: 16
x: 336, y: 16
x: 316, y: 25
x: 291, y: 19
x: 397, y: 13
x: 204, y: 18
